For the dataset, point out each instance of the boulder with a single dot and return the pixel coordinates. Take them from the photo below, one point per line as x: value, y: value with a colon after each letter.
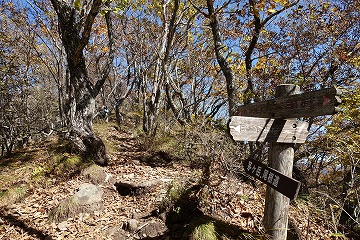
x: 97, y: 175
x: 87, y: 200
x: 89, y: 194
x: 134, y: 188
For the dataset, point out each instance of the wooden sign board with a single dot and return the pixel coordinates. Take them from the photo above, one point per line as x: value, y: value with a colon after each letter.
x: 281, y: 183
x: 308, y: 104
x: 253, y: 129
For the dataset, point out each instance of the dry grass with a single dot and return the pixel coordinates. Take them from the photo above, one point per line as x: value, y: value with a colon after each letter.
x: 12, y: 195
x: 64, y: 210
x: 94, y: 174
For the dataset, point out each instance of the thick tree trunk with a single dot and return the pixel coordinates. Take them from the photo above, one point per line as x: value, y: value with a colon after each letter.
x: 82, y: 137
x: 82, y: 109
x: 75, y: 28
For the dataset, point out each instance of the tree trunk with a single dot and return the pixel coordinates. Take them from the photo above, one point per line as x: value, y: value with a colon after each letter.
x: 221, y: 58
x: 75, y: 28
x: 82, y: 137
x: 151, y: 106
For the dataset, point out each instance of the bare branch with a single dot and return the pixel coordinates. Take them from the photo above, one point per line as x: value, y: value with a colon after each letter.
x: 199, y: 10
x: 278, y: 12
x: 94, y: 11
x: 110, y: 58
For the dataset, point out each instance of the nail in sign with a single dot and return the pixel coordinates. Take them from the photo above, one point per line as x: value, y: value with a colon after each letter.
x: 253, y: 129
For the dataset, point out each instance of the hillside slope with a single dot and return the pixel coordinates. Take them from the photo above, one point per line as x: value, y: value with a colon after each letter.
x: 34, y: 181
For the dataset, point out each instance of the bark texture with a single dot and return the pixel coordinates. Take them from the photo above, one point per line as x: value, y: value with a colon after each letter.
x: 75, y: 29
x: 220, y: 50
x: 281, y: 158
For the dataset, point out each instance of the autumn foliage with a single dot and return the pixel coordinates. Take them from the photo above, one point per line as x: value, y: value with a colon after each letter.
x: 172, y: 72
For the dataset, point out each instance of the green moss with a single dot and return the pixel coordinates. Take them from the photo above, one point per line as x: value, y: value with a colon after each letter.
x: 65, y: 164
x: 206, y: 227
x: 175, y: 191
x: 38, y: 173
x: 205, y: 231
x: 12, y: 195
x: 338, y: 236
x: 303, y: 197
x: 70, y: 162
x: 73, y: 161
x: 244, y: 197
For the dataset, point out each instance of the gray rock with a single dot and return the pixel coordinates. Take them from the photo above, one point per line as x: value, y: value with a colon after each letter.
x: 87, y: 200
x: 89, y: 194
x: 63, y: 226
x: 132, y: 225
x: 153, y: 228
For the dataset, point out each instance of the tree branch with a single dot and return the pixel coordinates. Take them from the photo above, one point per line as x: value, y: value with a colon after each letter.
x: 220, y: 56
x: 199, y: 10
x: 94, y: 11
x: 250, y: 91
x: 110, y: 58
x: 278, y: 12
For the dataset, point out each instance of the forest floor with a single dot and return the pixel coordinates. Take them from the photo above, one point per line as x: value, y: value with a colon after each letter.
x: 30, y: 189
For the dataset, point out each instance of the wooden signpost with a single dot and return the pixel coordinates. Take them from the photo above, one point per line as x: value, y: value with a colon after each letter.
x: 273, y: 121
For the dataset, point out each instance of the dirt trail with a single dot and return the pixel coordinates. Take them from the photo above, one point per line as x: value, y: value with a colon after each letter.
x: 236, y: 204
x: 29, y: 219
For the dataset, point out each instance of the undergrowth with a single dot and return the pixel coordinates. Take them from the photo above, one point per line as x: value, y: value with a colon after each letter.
x: 36, y: 166
x: 64, y: 210
x: 12, y: 195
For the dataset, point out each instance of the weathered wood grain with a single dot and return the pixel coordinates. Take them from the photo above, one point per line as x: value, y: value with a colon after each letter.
x: 308, y: 104
x: 281, y: 157
x: 254, y: 129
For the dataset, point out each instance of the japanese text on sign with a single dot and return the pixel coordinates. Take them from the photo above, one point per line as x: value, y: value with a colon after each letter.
x: 281, y: 183
x: 263, y: 173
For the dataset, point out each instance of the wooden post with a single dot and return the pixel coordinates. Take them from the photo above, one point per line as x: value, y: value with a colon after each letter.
x: 281, y: 157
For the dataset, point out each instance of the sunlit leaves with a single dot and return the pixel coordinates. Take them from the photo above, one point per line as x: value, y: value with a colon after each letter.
x: 326, y: 5
x: 77, y: 5
x: 115, y: 6
x: 281, y: 2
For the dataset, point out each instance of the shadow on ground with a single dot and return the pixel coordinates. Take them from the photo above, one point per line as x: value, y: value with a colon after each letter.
x: 183, y: 217
x: 16, y: 222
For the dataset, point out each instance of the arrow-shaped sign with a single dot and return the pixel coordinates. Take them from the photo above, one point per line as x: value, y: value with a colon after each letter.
x: 308, y: 104
x: 253, y: 129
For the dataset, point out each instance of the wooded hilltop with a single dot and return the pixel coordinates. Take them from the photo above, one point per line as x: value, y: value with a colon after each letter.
x: 131, y: 99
